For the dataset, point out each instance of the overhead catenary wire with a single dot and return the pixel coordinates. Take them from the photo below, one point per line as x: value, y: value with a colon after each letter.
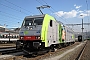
x: 65, y: 18
x: 50, y: 6
x: 4, y: 20
x: 42, y: 4
x: 7, y: 21
x: 14, y: 18
x: 22, y: 8
x: 10, y: 23
x: 87, y: 13
x: 13, y: 9
x: 18, y: 6
x: 52, y: 10
x: 10, y: 14
x: 87, y: 9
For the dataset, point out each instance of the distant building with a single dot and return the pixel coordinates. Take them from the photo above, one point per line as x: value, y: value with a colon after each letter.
x: 86, y: 35
x: 17, y: 29
x: 2, y: 28
x: 12, y: 30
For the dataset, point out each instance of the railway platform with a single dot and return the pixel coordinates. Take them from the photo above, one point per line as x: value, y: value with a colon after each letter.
x: 86, y: 52
x: 80, y: 53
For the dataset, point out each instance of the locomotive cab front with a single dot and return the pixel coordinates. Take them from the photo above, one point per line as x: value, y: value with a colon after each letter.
x: 30, y: 34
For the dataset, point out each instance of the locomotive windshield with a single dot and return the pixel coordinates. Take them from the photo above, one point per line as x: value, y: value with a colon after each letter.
x: 33, y: 21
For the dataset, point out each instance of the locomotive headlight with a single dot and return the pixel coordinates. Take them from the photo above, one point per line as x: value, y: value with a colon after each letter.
x: 31, y: 28
x: 39, y: 43
x: 21, y: 43
x: 37, y: 37
x: 21, y: 37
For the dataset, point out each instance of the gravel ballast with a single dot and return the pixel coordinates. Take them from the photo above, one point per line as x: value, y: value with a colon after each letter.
x: 67, y: 53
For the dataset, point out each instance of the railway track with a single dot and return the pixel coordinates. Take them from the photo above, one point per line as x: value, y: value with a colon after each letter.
x: 81, y: 52
x: 9, y: 53
x: 21, y: 55
x: 8, y: 50
x: 7, y: 47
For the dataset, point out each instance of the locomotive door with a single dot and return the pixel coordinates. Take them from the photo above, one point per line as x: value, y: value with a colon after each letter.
x: 55, y: 32
x: 52, y: 33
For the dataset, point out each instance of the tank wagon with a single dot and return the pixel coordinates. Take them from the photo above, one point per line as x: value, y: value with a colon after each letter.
x: 42, y: 32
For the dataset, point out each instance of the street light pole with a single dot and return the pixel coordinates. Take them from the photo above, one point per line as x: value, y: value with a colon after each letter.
x: 82, y: 25
x: 82, y: 29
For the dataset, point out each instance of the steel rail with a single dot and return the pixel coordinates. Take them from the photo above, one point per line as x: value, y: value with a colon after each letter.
x: 81, y: 52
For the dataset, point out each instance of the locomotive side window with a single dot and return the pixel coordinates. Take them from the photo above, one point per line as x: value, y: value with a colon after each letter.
x: 50, y: 23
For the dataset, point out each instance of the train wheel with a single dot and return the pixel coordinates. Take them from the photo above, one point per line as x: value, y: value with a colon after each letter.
x: 52, y: 48
x: 59, y: 46
x: 18, y: 45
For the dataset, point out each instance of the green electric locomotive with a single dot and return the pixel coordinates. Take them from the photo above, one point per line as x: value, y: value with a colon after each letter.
x: 41, y: 32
